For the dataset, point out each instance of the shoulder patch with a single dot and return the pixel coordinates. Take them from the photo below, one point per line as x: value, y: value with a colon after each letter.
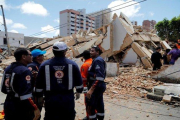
x: 7, y: 82
x: 59, y: 74
x: 97, y: 67
x: 28, y: 77
x: 30, y: 68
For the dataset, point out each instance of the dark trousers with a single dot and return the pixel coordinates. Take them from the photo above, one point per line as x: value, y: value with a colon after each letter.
x: 156, y: 67
x: 14, y: 111
x: 59, y: 107
x: 96, y: 102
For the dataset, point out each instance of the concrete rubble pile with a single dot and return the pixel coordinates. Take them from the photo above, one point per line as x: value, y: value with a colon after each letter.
x: 131, y: 81
x: 119, y: 40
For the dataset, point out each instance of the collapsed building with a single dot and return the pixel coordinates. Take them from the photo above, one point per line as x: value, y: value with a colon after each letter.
x: 120, y: 42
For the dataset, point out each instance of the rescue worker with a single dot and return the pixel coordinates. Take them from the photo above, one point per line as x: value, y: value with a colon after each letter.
x: 178, y: 43
x: 96, y: 85
x: 16, y: 83
x: 84, y: 73
x: 38, y: 58
x: 56, y: 79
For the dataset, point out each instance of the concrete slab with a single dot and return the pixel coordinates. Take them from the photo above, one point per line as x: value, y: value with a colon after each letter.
x: 130, y: 57
x: 172, y: 72
x: 167, y: 98
x: 112, y: 69
x: 119, y: 34
x: 106, y: 41
x: 165, y: 45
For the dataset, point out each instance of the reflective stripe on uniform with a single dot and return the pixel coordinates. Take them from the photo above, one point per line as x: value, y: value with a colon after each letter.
x: 47, y: 72
x: 79, y: 87
x: 100, y: 78
x: 70, y: 71
x: 92, y: 116
x: 2, y: 80
x: 24, y: 97
x: 100, y: 114
x: 12, y: 78
x: 39, y: 90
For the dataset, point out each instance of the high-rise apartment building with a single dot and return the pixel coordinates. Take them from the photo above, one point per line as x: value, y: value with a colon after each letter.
x: 71, y: 21
x: 102, y: 17
x: 149, y: 25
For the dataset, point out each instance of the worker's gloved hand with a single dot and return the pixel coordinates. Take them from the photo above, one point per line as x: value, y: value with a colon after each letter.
x: 37, y: 114
x: 77, y: 95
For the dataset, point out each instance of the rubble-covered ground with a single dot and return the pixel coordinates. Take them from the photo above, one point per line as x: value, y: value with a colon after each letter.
x: 133, y: 81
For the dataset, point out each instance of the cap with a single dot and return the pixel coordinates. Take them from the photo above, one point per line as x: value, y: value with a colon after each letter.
x: 37, y: 52
x: 59, y: 46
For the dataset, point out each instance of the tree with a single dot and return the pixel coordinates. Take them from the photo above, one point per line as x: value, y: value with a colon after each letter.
x: 169, y: 29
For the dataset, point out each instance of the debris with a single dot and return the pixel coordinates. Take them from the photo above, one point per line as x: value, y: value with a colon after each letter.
x: 132, y: 81
x: 159, y: 90
x: 154, y: 97
x: 167, y: 98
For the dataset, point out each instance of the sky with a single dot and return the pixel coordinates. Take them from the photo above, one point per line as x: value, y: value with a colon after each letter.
x: 35, y: 17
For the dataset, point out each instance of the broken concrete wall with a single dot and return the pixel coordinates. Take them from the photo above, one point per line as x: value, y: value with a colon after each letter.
x: 112, y: 69
x: 119, y: 34
x: 139, y: 51
x: 170, y: 72
x: 165, y: 45
x: 130, y: 57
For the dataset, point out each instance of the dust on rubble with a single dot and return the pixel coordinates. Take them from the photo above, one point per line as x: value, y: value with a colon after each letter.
x: 130, y: 81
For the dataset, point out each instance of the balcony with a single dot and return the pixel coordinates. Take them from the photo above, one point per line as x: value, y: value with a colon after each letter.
x: 72, y: 27
x: 72, y: 23
x: 72, y: 15
x: 72, y: 19
x: 90, y: 21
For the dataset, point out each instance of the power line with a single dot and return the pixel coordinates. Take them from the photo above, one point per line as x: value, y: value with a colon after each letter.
x: 86, y: 18
x: 88, y: 15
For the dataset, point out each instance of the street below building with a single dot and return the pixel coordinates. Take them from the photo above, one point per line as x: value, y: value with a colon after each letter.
x: 126, y: 108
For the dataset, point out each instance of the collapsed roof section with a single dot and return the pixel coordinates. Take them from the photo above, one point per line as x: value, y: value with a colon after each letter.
x: 119, y: 39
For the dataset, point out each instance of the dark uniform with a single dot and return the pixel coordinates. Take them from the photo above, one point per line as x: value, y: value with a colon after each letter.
x: 34, y: 66
x: 96, y: 76
x: 56, y: 79
x: 16, y: 83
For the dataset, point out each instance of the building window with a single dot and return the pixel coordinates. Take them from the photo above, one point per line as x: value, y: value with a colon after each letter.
x: 5, y: 41
x: 13, y: 39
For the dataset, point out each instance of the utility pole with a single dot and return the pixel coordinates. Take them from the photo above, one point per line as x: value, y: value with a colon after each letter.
x: 6, y: 34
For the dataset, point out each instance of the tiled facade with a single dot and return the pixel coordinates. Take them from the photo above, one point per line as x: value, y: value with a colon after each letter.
x: 71, y: 21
